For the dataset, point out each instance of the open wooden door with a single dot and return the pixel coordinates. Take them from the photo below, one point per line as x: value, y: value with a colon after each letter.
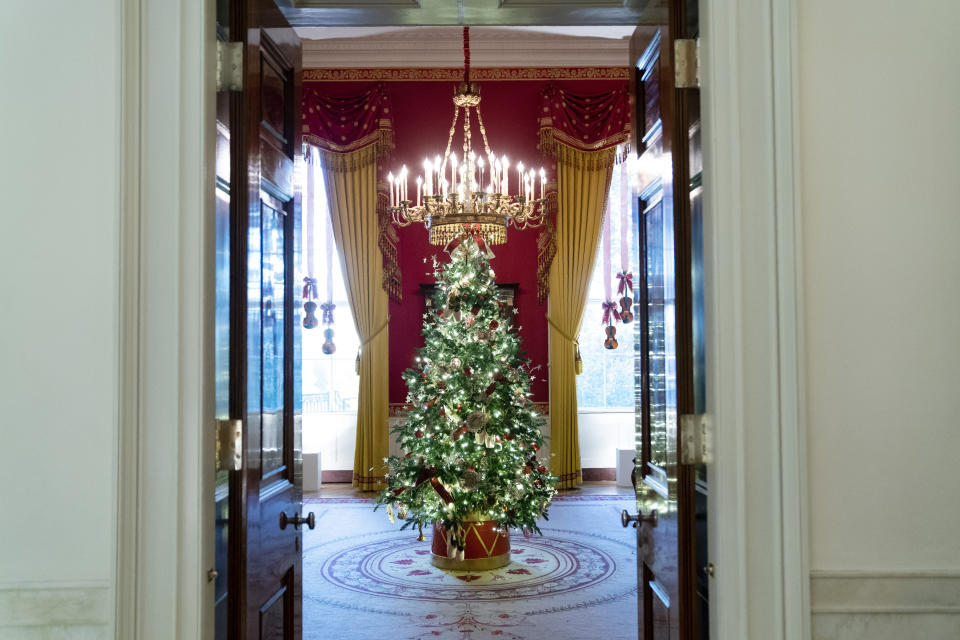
x: 670, y: 474
x: 259, y: 514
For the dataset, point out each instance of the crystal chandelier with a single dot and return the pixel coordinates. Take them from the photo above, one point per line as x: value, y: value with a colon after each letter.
x: 472, y: 192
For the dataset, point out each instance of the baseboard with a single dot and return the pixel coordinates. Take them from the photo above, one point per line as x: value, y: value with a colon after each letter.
x: 86, y: 608
x: 336, y: 475
x: 599, y: 474
x: 879, y: 605
x: 884, y: 592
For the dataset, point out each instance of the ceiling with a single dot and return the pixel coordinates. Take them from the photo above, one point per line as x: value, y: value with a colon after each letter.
x: 615, y: 32
x: 370, y: 13
x: 432, y: 47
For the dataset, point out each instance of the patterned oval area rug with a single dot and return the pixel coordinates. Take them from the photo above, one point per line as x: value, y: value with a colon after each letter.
x: 363, y: 579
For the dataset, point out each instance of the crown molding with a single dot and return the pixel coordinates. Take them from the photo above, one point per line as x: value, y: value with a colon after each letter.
x: 437, y: 47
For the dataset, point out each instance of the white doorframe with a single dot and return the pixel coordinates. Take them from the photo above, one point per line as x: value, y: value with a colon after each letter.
x: 757, y: 515
x: 166, y: 510
x: 757, y: 508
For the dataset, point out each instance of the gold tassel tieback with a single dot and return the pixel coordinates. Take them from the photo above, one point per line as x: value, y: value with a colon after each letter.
x: 577, y: 361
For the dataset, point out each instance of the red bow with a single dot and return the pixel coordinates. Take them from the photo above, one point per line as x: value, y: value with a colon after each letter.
x: 626, y: 281
x: 470, y: 231
x: 608, y: 308
x: 310, y: 289
x: 428, y: 473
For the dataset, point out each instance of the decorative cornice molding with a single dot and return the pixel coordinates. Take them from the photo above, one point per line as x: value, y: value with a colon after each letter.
x: 433, y: 48
x: 453, y: 74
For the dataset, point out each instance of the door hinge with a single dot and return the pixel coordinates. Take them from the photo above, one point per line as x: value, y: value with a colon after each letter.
x: 686, y: 63
x: 229, y: 66
x: 229, y: 445
x: 696, y: 438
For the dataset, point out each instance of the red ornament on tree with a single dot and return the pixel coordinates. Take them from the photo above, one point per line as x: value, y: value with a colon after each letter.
x: 494, y: 324
x: 418, y: 433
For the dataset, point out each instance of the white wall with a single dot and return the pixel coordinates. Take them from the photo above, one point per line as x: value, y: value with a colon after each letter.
x: 601, y: 434
x: 58, y: 341
x: 879, y: 118
x: 334, y: 435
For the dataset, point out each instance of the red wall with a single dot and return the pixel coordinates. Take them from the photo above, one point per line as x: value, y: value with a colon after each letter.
x: 423, y: 111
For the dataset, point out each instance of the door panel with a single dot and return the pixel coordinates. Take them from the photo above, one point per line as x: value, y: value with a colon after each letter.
x: 223, y: 213
x: 258, y: 236
x: 272, y: 493
x: 672, y: 548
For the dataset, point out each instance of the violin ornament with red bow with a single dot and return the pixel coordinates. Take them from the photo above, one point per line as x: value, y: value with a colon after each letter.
x: 626, y: 288
x: 310, y: 318
x: 626, y: 315
x: 611, y: 341
x: 328, y: 347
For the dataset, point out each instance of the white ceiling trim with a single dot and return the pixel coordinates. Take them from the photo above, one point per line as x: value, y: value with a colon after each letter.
x: 434, y: 47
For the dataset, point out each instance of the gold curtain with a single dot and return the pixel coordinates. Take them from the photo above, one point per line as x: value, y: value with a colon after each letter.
x: 351, y: 181
x: 583, y: 180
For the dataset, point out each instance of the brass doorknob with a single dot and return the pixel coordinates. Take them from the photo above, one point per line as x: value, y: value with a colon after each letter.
x: 651, y: 519
x: 297, y: 520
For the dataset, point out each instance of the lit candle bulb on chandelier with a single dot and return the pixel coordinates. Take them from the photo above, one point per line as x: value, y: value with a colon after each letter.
x: 506, y: 176
x: 480, y: 168
x: 393, y: 198
x: 453, y: 172
x: 419, y: 189
x: 428, y: 172
x: 473, y: 171
x: 521, y: 181
x: 438, y: 168
x: 495, y: 169
x: 543, y: 177
x: 533, y: 180
x: 403, y: 183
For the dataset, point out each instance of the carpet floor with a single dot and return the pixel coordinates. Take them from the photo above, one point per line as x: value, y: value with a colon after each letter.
x: 364, y: 579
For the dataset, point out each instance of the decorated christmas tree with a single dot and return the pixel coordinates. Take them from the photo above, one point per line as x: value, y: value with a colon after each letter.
x: 472, y: 437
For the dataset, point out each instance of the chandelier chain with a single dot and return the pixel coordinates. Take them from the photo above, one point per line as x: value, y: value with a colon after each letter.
x: 483, y: 131
x: 466, y: 133
x: 453, y: 130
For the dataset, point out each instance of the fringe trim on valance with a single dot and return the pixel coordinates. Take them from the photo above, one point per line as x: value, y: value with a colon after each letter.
x: 388, y: 242
x: 551, y: 145
x: 349, y: 161
x: 547, y: 244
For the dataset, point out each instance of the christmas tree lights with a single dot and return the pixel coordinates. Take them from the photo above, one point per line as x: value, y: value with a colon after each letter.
x: 472, y: 437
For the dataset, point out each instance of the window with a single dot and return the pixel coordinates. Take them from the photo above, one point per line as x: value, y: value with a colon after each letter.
x: 607, y: 381
x: 330, y: 383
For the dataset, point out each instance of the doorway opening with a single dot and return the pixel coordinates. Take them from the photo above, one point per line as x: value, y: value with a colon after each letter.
x: 582, y: 573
